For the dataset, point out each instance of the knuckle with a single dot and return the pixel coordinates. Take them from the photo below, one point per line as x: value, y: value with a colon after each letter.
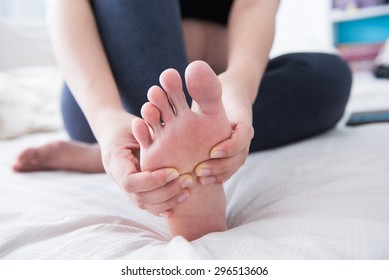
x: 171, y: 193
x: 251, y: 132
x: 168, y: 204
x: 128, y: 188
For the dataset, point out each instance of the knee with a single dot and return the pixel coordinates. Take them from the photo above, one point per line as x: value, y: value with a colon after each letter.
x: 328, y: 78
x: 326, y: 73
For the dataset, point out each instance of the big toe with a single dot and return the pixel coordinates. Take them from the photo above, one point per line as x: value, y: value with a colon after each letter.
x: 204, y: 87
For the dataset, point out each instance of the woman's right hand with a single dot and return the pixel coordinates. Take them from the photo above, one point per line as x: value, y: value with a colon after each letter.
x: 155, y: 191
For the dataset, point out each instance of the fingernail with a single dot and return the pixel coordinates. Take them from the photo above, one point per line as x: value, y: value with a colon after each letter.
x: 218, y: 154
x: 182, y: 197
x: 209, y: 180
x: 204, y: 172
x: 187, y: 182
x: 171, y: 176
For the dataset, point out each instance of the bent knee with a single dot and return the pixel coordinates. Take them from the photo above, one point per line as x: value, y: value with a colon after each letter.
x: 327, y: 73
x: 328, y: 78
x: 325, y: 82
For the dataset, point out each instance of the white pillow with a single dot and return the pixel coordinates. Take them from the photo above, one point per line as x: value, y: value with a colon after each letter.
x: 29, y: 101
x: 25, y: 43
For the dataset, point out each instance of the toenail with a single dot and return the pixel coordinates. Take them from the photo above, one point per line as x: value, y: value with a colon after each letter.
x: 218, y: 154
x: 182, y: 197
x: 204, y: 172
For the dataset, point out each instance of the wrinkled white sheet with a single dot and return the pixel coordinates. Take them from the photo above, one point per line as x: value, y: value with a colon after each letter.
x: 323, y: 198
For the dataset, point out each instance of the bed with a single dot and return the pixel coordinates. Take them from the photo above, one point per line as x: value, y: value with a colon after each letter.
x: 326, y: 197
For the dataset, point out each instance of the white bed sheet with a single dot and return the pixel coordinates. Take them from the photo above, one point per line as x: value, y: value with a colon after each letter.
x: 323, y: 198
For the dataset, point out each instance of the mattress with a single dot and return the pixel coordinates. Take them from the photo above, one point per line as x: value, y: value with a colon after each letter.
x: 326, y: 197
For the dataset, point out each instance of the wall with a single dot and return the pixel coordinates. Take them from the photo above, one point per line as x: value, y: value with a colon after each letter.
x: 303, y: 25
x: 26, y: 9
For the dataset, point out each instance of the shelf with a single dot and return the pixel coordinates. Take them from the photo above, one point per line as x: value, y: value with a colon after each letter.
x: 361, y: 13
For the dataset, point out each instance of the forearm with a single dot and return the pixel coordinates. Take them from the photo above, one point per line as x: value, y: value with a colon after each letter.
x: 82, y: 59
x: 251, y: 30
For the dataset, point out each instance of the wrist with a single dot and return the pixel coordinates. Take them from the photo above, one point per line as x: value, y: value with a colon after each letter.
x: 238, y: 111
x: 107, y: 121
x: 237, y: 102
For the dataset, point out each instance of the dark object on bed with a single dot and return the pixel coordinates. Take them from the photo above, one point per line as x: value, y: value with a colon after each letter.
x: 367, y: 117
x: 381, y: 71
x: 381, y: 62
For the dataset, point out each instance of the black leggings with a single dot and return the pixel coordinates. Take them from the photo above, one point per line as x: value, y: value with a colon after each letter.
x: 301, y: 94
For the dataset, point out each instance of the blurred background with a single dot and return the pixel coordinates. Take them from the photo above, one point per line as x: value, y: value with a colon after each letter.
x: 30, y: 80
x: 357, y: 28
x: 26, y: 9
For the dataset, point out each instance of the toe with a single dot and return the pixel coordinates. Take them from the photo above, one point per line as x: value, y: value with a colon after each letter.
x: 142, y: 133
x: 159, y: 99
x: 171, y: 82
x: 152, y: 116
x: 28, y: 160
x: 204, y: 87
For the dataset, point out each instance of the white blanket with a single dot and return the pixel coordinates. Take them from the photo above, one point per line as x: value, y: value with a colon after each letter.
x: 322, y: 198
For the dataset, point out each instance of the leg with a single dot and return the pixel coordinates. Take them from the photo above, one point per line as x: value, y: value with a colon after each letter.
x: 184, y: 139
x: 310, y: 99
x: 82, y: 154
x: 141, y: 39
x: 74, y: 120
x: 61, y: 155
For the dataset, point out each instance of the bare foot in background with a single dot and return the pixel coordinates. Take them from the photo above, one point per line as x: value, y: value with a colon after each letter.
x: 61, y: 155
x: 183, y: 139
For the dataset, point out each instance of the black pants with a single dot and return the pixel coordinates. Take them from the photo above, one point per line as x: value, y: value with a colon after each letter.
x: 301, y: 94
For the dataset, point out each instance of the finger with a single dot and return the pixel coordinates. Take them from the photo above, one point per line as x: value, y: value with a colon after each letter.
x: 219, y: 179
x: 216, y: 167
x: 239, y: 140
x: 166, y: 205
x: 164, y: 193
x: 149, y: 180
x: 119, y: 163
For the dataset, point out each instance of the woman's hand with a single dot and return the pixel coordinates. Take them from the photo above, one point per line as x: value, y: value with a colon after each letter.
x: 157, y: 191
x: 228, y: 156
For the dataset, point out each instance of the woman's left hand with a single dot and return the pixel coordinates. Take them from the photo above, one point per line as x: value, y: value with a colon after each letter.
x: 226, y: 157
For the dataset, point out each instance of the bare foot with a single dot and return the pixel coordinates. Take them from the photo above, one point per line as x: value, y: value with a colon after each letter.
x: 183, y: 139
x: 60, y: 155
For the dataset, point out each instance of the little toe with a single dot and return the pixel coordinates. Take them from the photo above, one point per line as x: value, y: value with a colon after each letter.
x: 141, y: 133
x: 204, y: 87
x: 171, y: 82
x: 159, y: 99
x: 152, y: 116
